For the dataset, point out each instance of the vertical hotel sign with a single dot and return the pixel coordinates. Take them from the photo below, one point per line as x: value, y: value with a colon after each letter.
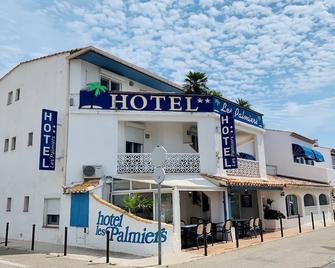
x: 228, y: 139
x: 48, y: 140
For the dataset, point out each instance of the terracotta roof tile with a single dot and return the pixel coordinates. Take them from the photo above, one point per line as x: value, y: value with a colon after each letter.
x: 81, y: 187
x: 271, y: 181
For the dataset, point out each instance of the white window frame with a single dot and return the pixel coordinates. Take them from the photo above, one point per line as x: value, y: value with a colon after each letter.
x: 17, y: 94
x: 46, y: 214
x: 10, y: 97
x: 9, y: 204
x: 111, y: 79
x: 26, y: 202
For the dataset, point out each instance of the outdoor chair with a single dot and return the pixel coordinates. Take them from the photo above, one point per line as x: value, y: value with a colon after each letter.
x: 199, y: 233
x: 257, y: 226
x: 209, y: 232
x: 250, y: 228
x: 225, y: 230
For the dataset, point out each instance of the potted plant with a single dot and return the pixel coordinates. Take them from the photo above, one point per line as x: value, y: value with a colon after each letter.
x: 138, y: 205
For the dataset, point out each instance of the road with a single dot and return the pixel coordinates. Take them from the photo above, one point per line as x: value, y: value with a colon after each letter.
x: 310, y: 250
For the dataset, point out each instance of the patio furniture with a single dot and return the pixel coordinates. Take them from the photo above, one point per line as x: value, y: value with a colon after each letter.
x: 194, y: 220
x: 209, y: 232
x: 225, y: 230
x: 187, y: 233
x: 251, y: 228
x: 242, y: 226
x: 199, y: 233
x: 257, y: 226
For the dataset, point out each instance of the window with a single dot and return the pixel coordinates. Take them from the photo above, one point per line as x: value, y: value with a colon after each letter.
x: 6, y: 146
x: 10, y: 98
x: 30, y: 138
x: 308, y: 200
x: 323, y: 200
x: 333, y: 160
x: 110, y: 84
x: 9, y: 204
x: 121, y: 185
x: 17, y: 94
x: 51, y: 211
x: 133, y: 147
x: 13, y: 145
x: 26, y: 204
x: 291, y: 205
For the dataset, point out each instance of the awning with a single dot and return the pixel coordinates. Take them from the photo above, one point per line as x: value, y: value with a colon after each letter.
x: 246, y: 156
x: 81, y: 187
x: 303, y: 151
x: 187, y: 181
x: 271, y: 183
x: 318, y: 156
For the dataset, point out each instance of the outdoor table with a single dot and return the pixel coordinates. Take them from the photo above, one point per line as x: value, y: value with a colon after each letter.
x: 242, y: 224
x: 187, y: 230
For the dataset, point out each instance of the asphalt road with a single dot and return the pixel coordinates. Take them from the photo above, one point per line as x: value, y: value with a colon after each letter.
x: 310, y: 250
x: 315, y: 249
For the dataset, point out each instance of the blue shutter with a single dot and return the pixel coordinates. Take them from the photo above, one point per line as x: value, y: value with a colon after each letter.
x: 79, y: 210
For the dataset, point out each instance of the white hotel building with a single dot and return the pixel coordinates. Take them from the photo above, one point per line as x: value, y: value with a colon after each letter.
x: 103, y: 155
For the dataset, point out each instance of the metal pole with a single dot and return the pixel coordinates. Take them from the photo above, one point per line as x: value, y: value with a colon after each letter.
x: 312, y: 220
x: 205, y: 240
x: 107, y: 246
x: 261, y: 226
x: 324, y: 219
x: 236, y: 237
x: 299, y: 222
x: 6, y: 237
x: 159, y: 224
x: 65, y: 241
x: 281, y: 227
x: 33, y: 238
x: 334, y: 214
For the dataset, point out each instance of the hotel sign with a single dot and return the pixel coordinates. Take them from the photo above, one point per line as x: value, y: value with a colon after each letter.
x: 168, y: 103
x: 123, y: 234
x: 48, y: 140
x: 229, y: 153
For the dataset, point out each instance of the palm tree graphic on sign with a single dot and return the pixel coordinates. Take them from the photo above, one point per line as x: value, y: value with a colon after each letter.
x: 97, y: 88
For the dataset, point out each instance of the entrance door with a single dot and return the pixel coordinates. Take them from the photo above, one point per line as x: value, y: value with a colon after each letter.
x: 235, y: 206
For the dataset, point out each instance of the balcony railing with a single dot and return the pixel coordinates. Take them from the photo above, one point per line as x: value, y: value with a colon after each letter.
x: 141, y: 163
x: 246, y: 168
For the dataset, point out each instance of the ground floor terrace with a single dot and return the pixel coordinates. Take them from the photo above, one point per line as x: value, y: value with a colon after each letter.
x: 223, y: 208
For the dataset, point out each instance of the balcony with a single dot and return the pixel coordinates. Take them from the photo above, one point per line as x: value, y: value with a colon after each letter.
x: 138, y: 163
x: 246, y: 168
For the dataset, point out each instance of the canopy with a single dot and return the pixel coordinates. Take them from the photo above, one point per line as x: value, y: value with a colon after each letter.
x: 303, y: 151
x: 247, y: 156
x: 187, y: 181
x: 318, y: 156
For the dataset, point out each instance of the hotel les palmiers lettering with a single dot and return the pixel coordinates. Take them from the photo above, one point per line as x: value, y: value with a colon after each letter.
x: 123, y: 234
x: 167, y: 103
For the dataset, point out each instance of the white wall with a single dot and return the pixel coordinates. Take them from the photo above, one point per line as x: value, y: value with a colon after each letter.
x: 43, y: 85
x: 278, y: 152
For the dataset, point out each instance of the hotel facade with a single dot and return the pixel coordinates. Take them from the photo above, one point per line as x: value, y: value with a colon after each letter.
x: 71, y: 156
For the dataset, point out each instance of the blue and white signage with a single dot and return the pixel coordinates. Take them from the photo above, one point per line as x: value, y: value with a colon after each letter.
x: 167, y: 103
x: 228, y: 139
x: 48, y: 140
x: 123, y: 234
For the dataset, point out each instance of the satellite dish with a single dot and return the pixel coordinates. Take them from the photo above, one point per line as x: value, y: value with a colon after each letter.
x: 158, y: 156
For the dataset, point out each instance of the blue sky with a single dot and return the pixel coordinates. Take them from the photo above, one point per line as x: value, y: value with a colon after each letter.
x: 280, y: 55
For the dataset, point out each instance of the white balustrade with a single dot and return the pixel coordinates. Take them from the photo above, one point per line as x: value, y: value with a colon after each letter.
x: 141, y: 163
x: 246, y: 168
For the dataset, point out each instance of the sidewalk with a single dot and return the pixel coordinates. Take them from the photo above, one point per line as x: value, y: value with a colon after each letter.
x: 92, y: 256
x: 17, y: 249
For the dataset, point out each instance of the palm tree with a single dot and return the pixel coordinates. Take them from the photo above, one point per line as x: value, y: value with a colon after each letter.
x: 215, y: 93
x: 97, y: 88
x: 195, y: 83
x: 243, y: 103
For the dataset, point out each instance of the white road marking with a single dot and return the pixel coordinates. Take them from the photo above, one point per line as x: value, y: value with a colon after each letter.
x: 13, y: 264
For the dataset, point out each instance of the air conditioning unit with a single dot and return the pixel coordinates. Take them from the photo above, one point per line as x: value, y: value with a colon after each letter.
x: 92, y: 172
